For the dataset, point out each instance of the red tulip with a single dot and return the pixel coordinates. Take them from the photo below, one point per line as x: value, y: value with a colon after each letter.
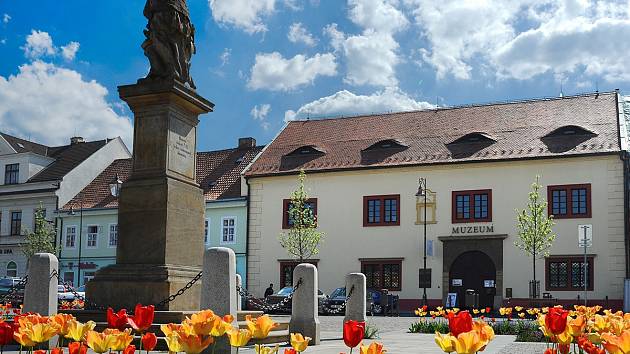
x: 6, y: 333
x: 290, y: 351
x: 556, y: 320
x: 40, y: 351
x: 77, y: 348
x: 353, y: 333
x: 130, y: 349
x: 149, y: 340
x: 142, y: 318
x: 117, y: 320
x: 564, y: 348
x: 460, y: 322
x: 57, y: 350
x: 488, y: 310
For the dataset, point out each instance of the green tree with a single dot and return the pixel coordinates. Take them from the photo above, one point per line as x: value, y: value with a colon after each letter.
x: 42, y: 238
x: 535, y: 234
x: 302, y: 240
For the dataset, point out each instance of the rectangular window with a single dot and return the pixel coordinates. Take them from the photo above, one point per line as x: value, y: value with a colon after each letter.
x: 569, y: 201
x: 287, y: 220
x: 92, y: 236
x: 567, y: 273
x: 16, y: 223
x: 383, y: 274
x: 71, y: 236
x: 68, y: 277
x: 472, y: 206
x: 381, y: 210
x: 113, y: 235
x: 228, y: 230
x: 12, y: 173
x: 206, y: 228
x: 286, y: 272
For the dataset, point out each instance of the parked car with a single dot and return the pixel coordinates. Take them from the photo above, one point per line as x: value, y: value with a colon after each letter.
x: 8, y: 283
x: 64, y: 294
x: 286, y: 308
x: 335, y: 301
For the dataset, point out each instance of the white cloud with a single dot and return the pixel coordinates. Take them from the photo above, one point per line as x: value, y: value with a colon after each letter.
x: 70, y: 50
x: 273, y: 72
x: 299, y: 34
x: 295, y: 5
x: 259, y: 113
x: 39, y: 44
x: 225, y: 56
x: 377, y: 15
x: 244, y: 14
x: 347, y: 103
x: 526, y: 38
x: 50, y: 103
x: 6, y: 18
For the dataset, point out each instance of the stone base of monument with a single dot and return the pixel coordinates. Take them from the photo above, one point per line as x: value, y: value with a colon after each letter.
x: 125, y: 285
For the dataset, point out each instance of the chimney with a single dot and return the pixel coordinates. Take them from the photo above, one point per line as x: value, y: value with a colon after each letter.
x: 246, y: 143
x: 76, y: 140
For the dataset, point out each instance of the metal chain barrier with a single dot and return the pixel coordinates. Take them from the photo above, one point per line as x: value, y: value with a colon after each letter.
x: 12, y: 293
x: 180, y: 291
x: 263, y: 304
x: 342, y: 307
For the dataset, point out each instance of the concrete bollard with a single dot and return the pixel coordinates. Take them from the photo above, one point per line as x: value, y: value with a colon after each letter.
x: 304, y: 306
x: 40, y: 292
x: 355, y: 306
x: 218, y: 288
x: 239, y: 299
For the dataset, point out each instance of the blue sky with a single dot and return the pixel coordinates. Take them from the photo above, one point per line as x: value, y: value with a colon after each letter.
x: 263, y: 62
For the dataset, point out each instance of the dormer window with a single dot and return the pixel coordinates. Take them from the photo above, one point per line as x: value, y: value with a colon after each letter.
x: 474, y: 138
x: 12, y: 173
x: 306, y: 150
x: 569, y: 130
x: 386, y: 144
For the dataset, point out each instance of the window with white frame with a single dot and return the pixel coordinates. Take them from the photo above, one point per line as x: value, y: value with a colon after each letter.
x: 228, y: 230
x: 71, y: 236
x: 206, y: 230
x: 92, y: 236
x: 113, y: 235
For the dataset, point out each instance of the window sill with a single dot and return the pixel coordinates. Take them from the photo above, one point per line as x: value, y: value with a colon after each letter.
x: 471, y: 221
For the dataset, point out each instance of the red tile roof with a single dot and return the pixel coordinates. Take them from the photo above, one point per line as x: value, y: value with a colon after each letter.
x: 514, y: 130
x: 218, y: 174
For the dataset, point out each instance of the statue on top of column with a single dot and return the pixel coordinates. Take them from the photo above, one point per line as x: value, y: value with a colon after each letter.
x: 170, y: 40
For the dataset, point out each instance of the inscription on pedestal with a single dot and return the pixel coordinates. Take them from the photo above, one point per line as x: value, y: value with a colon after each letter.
x: 181, y: 148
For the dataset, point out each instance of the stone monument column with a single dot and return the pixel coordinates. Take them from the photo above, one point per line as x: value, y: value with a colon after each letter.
x: 161, y: 207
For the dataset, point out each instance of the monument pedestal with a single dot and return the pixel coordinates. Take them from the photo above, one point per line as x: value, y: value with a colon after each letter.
x: 161, y: 207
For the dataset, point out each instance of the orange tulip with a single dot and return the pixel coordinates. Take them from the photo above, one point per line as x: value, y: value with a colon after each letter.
x: 469, y: 343
x: 299, y: 342
x: 61, y: 320
x: 617, y: 345
x: 374, y: 348
x: 194, y: 344
x: 120, y: 339
x: 261, y: 326
x: 576, y: 326
x: 99, y: 342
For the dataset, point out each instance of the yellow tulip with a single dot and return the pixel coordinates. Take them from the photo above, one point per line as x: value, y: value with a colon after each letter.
x: 468, y: 343
x: 42, y: 332
x: 299, y: 342
x: 518, y: 308
x: 99, y: 342
x: 78, y: 330
x: 576, y: 325
x: 222, y: 325
x: 169, y: 328
x: 475, y: 311
x: 374, y: 348
x: 564, y: 337
x: 172, y: 342
x: 23, y: 339
x: 239, y: 337
x: 266, y: 350
x: 261, y: 326
x: 446, y: 342
x: 594, y: 338
x: 599, y: 323
x: 194, y: 344
x: 61, y: 320
x: 120, y: 340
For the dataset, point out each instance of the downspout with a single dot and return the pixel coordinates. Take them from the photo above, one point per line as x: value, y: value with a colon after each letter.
x: 625, y: 157
x: 247, y: 236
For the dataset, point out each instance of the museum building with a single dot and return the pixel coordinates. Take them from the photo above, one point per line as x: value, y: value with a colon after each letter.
x: 479, y: 163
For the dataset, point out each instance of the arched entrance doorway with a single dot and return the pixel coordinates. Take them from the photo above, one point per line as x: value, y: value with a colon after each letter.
x: 473, y: 270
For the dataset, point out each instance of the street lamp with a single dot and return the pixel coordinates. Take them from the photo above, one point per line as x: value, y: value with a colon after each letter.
x: 422, y: 192
x: 114, y: 186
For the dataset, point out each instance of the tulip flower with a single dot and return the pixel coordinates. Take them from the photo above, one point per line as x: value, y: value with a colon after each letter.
x: 120, y: 339
x: 202, y: 322
x: 170, y: 328
x: 299, y: 342
x: 374, y: 348
x: 131, y: 349
x: 446, y: 342
x: 99, y: 342
x: 194, y: 344
x: 576, y: 325
x: 172, y: 342
x: 468, y: 343
x: 459, y: 323
x: 290, y: 351
x: 260, y: 349
x: 556, y: 320
x: 77, y: 348
x: 142, y: 318
x: 6, y: 333
x: 239, y: 337
x: 353, y: 333
x: 117, y: 320
x: 617, y: 344
x: 221, y: 325
x: 40, y: 351
x: 61, y: 320
x: 23, y: 339
x: 58, y: 350
x: 77, y: 330
x: 149, y: 341
x: 41, y: 332
x: 261, y: 326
